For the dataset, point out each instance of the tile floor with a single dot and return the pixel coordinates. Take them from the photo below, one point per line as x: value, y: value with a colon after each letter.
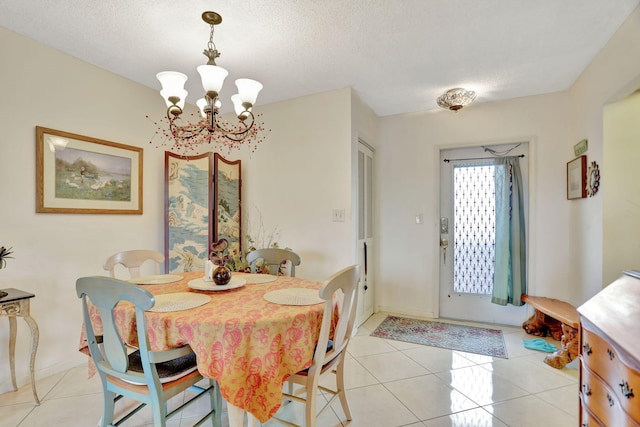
x: 390, y: 383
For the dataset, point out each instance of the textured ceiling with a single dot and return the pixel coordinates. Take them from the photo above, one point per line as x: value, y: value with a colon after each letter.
x: 398, y: 55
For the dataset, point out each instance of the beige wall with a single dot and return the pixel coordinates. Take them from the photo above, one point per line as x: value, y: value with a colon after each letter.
x: 46, y: 88
x: 621, y: 188
x: 613, y: 74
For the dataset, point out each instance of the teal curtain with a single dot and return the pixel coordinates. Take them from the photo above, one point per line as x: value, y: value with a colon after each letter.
x: 510, y: 275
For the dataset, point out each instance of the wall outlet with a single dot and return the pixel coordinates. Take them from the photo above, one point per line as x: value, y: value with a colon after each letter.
x: 338, y: 215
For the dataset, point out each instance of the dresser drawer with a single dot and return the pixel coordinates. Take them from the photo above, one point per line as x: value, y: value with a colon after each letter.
x: 587, y: 419
x: 602, y: 358
x: 602, y: 402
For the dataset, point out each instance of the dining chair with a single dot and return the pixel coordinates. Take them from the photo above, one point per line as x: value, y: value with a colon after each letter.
x: 149, y: 377
x: 331, y: 350
x: 273, y: 259
x: 132, y: 260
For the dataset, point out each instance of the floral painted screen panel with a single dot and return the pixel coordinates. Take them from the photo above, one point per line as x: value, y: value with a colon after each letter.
x: 227, y: 209
x: 188, y: 202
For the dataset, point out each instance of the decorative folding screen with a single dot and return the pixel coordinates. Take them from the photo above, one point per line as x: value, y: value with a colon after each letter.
x: 202, y: 204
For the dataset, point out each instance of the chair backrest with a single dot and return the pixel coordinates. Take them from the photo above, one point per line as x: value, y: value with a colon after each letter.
x: 133, y: 260
x: 273, y: 258
x: 105, y: 293
x: 345, y: 280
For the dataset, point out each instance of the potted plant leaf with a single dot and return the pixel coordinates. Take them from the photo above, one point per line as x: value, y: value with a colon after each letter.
x: 4, y: 255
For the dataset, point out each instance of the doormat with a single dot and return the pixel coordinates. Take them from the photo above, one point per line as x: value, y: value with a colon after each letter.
x: 485, y: 341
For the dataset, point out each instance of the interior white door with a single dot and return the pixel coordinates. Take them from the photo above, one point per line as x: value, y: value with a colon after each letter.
x: 365, y: 243
x: 467, y: 235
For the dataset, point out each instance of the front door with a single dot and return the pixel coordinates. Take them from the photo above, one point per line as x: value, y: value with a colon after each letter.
x: 467, y: 235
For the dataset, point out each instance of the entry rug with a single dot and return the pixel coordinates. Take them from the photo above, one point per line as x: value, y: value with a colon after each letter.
x: 485, y: 341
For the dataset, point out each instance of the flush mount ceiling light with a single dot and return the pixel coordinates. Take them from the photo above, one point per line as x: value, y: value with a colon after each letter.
x: 188, y: 137
x: 455, y: 99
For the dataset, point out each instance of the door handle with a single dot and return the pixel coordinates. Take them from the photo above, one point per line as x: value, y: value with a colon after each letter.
x: 365, y: 266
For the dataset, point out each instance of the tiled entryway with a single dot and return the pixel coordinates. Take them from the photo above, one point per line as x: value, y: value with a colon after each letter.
x: 390, y: 384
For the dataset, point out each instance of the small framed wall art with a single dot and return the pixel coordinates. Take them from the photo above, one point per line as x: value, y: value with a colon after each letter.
x: 84, y: 175
x: 576, y: 178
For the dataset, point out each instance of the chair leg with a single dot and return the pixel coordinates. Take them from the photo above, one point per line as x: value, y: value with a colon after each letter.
x: 108, y: 409
x: 311, y: 404
x: 341, y: 390
x: 216, y: 404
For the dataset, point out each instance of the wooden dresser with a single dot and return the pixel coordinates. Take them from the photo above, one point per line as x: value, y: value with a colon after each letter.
x: 609, y: 355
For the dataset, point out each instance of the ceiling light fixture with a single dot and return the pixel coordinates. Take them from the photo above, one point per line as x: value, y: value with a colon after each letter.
x: 210, y: 128
x: 455, y: 99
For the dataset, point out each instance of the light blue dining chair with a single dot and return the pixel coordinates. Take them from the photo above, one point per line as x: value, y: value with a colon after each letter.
x: 150, y: 377
x: 273, y: 259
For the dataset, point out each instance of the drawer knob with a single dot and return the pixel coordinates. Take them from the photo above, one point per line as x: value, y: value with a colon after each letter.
x: 610, y: 399
x: 586, y: 389
x: 587, y: 349
x: 626, y: 391
x: 611, y: 354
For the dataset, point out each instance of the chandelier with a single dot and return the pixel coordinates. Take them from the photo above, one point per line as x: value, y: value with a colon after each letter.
x: 188, y: 137
x: 455, y: 99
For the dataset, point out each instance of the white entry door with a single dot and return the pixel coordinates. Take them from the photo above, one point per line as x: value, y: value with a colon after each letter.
x: 467, y: 235
x: 365, y: 232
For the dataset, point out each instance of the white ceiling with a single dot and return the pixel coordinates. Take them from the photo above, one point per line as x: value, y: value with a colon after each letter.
x: 398, y: 55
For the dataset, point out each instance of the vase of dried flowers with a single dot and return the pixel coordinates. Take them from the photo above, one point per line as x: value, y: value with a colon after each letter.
x: 221, y: 274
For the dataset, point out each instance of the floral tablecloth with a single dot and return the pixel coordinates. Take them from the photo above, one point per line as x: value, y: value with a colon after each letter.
x: 249, y: 345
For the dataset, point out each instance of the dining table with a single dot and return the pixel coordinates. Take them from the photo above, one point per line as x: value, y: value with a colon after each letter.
x: 249, y: 335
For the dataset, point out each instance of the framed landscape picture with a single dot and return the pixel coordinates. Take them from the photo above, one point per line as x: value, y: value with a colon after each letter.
x: 188, y: 208
x: 85, y: 175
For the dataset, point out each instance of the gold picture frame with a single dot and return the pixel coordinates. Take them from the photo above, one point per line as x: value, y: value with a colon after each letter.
x: 83, y: 175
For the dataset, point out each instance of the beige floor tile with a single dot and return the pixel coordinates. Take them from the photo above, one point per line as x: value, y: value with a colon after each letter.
x: 13, y: 415
x: 75, y: 382
x: 375, y: 406
x: 355, y: 375
x: 530, y: 411
x: 532, y: 377
x: 392, y: 366
x: 437, y: 359
x: 472, y: 418
x: 362, y: 345
x: 295, y: 412
x: 25, y: 395
x: 403, y: 345
x: 565, y: 398
x: 373, y: 322
x: 429, y: 397
x: 76, y: 411
x: 481, y: 385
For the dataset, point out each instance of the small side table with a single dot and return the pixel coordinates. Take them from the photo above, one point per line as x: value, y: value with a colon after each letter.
x: 16, y: 304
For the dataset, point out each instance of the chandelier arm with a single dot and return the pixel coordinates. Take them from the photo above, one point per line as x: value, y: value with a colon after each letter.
x: 239, y: 135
